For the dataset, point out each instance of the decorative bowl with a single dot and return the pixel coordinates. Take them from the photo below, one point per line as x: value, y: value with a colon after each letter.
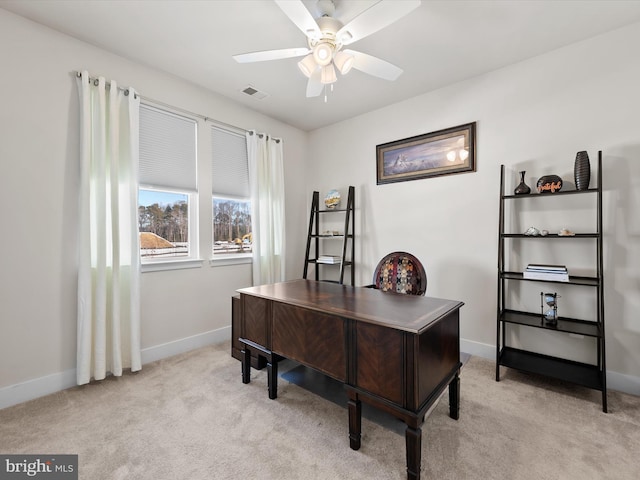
x: 549, y: 184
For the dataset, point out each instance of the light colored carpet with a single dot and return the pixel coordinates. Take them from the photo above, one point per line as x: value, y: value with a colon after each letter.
x: 190, y: 417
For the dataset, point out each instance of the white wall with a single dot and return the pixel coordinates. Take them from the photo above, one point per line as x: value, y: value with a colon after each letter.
x: 531, y: 116
x: 38, y: 194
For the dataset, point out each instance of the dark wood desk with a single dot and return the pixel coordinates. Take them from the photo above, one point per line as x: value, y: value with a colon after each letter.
x: 395, y: 352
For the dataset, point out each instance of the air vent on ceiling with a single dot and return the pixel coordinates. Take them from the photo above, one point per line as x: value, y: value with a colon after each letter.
x: 254, y: 92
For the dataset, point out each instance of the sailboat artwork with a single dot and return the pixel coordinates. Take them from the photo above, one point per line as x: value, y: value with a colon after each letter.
x: 438, y: 153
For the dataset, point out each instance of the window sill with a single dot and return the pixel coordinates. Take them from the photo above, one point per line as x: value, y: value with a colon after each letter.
x: 225, y: 260
x: 170, y: 265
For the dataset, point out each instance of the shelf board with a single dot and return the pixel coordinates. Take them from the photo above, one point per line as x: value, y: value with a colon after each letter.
x: 573, y: 279
x: 578, y: 373
x: 550, y: 235
x: 568, y: 325
x: 557, y: 194
x: 332, y: 210
x: 316, y: 235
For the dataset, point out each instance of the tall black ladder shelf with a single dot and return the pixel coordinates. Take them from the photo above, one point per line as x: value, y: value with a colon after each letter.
x: 591, y: 375
x: 317, y: 237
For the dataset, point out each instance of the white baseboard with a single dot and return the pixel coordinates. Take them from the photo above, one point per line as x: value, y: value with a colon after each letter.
x: 623, y: 383
x: 478, y: 349
x: 615, y: 381
x: 39, y: 387
x: 183, y: 345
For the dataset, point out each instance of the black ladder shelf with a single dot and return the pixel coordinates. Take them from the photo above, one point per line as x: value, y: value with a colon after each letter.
x: 347, y: 255
x: 591, y: 375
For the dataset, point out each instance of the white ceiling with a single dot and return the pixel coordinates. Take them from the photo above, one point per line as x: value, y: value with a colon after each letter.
x: 440, y: 43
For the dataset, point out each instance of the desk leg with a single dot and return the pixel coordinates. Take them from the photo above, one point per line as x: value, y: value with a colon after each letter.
x: 454, y: 397
x: 355, y: 420
x: 272, y: 376
x: 246, y: 365
x: 414, y: 452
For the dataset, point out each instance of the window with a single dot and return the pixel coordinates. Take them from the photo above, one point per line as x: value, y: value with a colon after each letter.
x: 231, y: 203
x: 231, y: 226
x: 167, y: 194
x: 163, y: 222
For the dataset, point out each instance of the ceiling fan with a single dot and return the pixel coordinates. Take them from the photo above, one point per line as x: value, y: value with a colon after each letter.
x: 327, y: 35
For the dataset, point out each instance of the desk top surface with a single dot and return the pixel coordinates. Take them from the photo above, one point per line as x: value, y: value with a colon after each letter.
x: 411, y: 313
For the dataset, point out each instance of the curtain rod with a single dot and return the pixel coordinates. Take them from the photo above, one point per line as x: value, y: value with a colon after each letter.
x: 193, y: 114
x: 178, y: 109
x: 260, y: 135
x: 108, y: 84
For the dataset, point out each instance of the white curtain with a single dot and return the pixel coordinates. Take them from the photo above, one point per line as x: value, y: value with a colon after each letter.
x: 109, y: 262
x: 266, y: 178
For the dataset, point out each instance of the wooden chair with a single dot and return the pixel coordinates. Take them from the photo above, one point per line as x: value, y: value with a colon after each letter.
x: 400, y: 272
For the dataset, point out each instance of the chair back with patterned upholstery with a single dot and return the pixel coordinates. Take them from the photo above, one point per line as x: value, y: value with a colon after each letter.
x: 400, y: 272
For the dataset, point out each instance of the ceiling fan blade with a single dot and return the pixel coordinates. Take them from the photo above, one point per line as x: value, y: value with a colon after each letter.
x: 270, y: 55
x: 375, y: 18
x: 314, y: 86
x: 374, y: 66
x: 300, y: 16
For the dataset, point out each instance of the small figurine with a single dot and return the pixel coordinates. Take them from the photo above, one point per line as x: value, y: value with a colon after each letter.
x: 565, y: 232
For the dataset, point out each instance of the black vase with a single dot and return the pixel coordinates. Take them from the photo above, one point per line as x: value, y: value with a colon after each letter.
x: 522, y: 188
x: 582, y: 171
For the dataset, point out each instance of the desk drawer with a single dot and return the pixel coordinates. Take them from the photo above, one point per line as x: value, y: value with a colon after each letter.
x: 311, y: 338
x: 380, y: 361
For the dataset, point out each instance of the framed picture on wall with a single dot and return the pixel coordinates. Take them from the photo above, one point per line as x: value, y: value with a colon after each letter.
x: 447, y: 151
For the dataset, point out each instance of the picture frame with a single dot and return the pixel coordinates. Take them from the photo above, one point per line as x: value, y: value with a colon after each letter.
x: 444, y: 152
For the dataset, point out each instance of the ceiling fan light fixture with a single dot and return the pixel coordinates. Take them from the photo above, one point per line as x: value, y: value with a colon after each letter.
x: 344, y: 62
x: 322, y: 54
x: 326, y: 36
x: 328, y: 74
x: 307, y: 65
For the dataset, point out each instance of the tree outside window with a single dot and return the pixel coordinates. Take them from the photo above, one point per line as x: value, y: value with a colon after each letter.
x: 231, y: 226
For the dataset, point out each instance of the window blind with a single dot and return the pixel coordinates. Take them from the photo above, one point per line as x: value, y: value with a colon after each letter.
x: 230, y: 165
x: 167, y: 149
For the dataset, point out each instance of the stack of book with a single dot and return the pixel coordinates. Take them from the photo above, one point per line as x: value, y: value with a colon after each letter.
x: 552, y: 273
x: 328, y: 259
